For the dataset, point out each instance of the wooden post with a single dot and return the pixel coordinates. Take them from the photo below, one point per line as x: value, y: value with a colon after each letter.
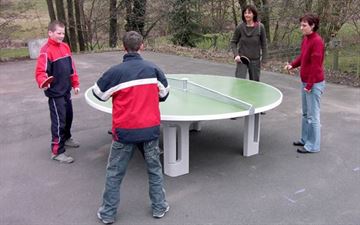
x: 336, y: 59
x: 358, y: 66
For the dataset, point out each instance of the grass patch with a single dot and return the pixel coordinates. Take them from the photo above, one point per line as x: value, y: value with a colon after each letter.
x: 348, y: 59
x: 215, y: 41
x: 13, y: 53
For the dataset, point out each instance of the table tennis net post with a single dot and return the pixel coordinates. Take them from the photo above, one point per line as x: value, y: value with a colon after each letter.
x: 185, y: 85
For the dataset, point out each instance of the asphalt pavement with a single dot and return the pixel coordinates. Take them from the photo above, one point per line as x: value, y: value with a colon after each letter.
x: 276, y: 187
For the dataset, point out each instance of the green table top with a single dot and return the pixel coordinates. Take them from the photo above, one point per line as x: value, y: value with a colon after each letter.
x: 182, y: 105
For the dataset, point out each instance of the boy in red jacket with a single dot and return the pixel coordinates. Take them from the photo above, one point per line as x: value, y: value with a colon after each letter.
x: 55, y: 60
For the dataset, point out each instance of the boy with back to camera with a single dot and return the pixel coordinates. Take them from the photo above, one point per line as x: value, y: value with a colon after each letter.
x: 136, y: 87
x: 55, y: 60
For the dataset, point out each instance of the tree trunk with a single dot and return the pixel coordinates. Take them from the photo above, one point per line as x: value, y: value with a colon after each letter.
x: 88, y: 35
x: 51, y: 10
x: 71, y: 26
x: 60, y: 11
x: 266, y: 18
x: 79, y: 24
x: 308, y: 5
x: 129, y: 19
x: 264, y: 15
x: 139, y: 11
x: 233, y: 11
x: 276, y: 33
x: 334, y: 15
x: 113, y: 24
x: 242, y: 3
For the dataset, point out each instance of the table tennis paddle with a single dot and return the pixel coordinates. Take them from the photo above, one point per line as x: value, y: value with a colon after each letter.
x: 245, y: 60
x: 47, y: 82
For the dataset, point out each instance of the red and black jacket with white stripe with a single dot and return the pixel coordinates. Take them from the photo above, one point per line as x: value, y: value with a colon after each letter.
x: 55, y: 60
x: 136, y: 87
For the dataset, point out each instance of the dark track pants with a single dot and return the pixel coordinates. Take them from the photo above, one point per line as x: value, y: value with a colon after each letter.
x: 61, y: 115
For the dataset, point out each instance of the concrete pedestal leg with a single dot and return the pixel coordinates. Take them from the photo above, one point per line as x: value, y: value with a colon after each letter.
x: 251, y: 135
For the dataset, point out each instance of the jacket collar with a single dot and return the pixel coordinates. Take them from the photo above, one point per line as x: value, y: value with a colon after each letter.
x: 313, y: 34
x: 131, y: 56
x: 53, y: 42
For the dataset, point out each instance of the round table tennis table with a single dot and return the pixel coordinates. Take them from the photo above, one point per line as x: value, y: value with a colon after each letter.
x: 196, y: 97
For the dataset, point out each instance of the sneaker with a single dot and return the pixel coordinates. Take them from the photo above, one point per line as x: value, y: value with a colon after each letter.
x: 104, y: 220
x: 159, y: 215
x: 62, y: 158
x: 72, y: 143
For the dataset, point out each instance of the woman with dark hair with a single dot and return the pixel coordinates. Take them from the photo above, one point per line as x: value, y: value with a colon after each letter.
x: 311, y: 61
x: 249, y: 40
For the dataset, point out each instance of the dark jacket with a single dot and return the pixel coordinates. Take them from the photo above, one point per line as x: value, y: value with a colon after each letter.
x: 249, y: 41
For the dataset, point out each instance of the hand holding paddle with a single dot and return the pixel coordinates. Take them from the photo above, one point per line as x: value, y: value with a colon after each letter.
x: 245, y: 60
x: 46, y: 83
x: 242, y: 59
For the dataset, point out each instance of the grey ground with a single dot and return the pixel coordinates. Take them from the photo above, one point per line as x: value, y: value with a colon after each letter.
x: 278, y: 186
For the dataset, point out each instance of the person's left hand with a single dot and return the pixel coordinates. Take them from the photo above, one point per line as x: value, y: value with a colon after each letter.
x: 307, y: 90
x: 76, y: 90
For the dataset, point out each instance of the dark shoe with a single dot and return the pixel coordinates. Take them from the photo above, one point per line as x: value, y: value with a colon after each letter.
x: 303, y: 151
x: 298, y: 143
x: 263, y: 113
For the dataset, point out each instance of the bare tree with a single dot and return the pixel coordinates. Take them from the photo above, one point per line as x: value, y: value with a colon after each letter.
x: 8, y: 19
x: 51, y: 10
x: 113, y: 24
x: 60, y: 11
x: 308, y: 5
x: 79, y: 18
x: 135, y: 15
x: 284, y: 21
x: 334, y: 14
x: 218, y: 14
x: 233, y: 11
x: 71, y: 25
x: 242, y: 3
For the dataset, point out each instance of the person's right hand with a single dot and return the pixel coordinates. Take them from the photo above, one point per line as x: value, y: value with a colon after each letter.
x: 237, y: 59
x: 288, y: 67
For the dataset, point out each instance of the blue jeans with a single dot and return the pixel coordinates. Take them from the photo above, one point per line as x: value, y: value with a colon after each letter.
x: 119, y: 158
x: 310, y: 128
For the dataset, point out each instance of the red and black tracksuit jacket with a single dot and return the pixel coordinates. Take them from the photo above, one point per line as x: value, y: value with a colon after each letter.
x: 55, y: 60
x: 136, y: 87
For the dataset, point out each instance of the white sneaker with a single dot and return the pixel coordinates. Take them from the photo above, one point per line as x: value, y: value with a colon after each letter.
x: 72, y: 143
x: 159, y: 215
x: 104, y: 221
x: 62, y: 158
